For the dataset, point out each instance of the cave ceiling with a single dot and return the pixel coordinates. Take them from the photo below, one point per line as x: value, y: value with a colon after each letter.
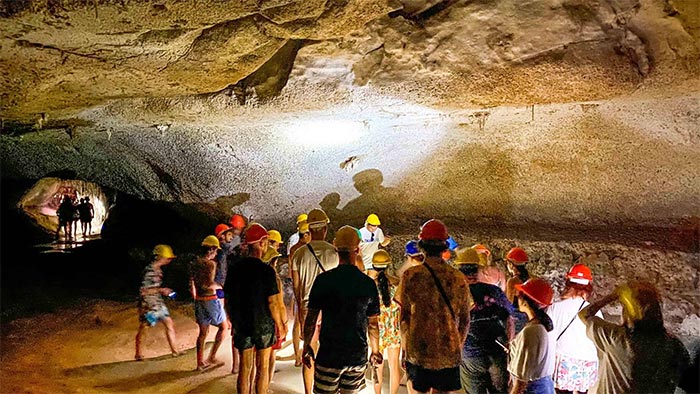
x: 59, y: 57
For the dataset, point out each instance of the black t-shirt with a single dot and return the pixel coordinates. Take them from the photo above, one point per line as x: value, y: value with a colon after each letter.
x: 249, y: 284
x: 346, y: 298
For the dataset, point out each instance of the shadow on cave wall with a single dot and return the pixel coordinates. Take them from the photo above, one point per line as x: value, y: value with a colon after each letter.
x: 470, y: 185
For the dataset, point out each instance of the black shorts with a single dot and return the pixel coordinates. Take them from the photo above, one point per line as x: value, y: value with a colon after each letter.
x: 439, y: 379
x: 243, y: 342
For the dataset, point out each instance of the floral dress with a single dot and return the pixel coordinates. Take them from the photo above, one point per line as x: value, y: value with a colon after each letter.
x: 389, y: 335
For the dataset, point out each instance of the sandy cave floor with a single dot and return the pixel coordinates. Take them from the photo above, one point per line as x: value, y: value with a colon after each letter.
x: 90, y: 348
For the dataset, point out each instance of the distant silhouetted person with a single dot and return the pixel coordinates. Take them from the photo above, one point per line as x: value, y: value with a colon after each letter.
x: 75, y: 217
x: 87, y: 212
x: 65, y: 215
x: 639, y: 356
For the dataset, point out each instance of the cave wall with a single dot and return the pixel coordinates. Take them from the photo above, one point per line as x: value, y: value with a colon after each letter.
x: 633, y: 160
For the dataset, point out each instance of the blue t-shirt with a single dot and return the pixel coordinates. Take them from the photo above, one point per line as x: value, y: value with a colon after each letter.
x: 488, y: 321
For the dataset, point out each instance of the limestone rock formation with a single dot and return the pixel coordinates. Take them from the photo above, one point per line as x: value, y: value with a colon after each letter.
x: 62, y: 56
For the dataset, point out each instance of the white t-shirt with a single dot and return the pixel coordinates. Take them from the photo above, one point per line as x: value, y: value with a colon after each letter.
x: 293, y: 239
x: 307, y: 267
x: 369, y: 243
x: 531, y: 354
x: 574, y: 343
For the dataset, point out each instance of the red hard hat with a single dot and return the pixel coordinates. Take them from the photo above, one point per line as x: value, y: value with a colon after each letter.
x: 580, y: 273
x: 220, y: 228
x: 537, y: 289
x: 433, y: 230
x: 481, y: 248
x: 237, y: 221
x: 254, y: 233
x: 517, y: 256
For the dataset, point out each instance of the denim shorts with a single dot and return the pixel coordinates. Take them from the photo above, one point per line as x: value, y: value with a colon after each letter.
x: 209, y: 312
x: 152, y: 317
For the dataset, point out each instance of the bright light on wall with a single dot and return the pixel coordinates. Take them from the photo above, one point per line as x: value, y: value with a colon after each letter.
x: 328, y: 132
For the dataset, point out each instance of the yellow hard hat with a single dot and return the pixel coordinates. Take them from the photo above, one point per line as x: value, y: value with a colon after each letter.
x: 373, y: 220
x: 303, y: 228
x: 274, y: 235
x: 346, y: 238
x: 269, y: 255
x: 163, y: 252
x: 469, y: 256
x: 302, y: 218
x: 317, y: 218
x: 211, y: 241
x: 381, y: 259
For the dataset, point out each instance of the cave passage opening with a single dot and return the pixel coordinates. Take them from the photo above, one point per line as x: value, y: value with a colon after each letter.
x: 72, y: 210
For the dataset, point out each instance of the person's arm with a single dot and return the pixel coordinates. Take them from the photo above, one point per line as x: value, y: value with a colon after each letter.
x: 590, y: 310
x: 309, y: 331
x: 518, y: 386
x: 279, y: 314
x: 296, y: 285
x: 464, y: 312
x: 373, y: 333
x: 510, y: 328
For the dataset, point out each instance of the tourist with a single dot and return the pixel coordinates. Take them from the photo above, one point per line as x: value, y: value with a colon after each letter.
x: 372, y: 237
x: 65, y: 216
x: 639, y: 356
x: 531, y: 352
x: 152, y: 308
x: 434, y: 300
x: 308, y: 262
x: 257, y: 315
x: 389, y: 317
x: 576, y: 361
x: 491, y: 327
x: 271, y: 257
x: 413, y: 255
x: 349, y: 306
x: 86, y: 213
x: 275, y: 240
x: 304, y: 238
x: 294, y: 238
x: 516, y: 258
x: 208, y: 307
x: 237, y: 223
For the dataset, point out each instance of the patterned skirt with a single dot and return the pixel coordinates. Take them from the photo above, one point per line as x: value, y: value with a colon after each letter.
x: 572, y: 374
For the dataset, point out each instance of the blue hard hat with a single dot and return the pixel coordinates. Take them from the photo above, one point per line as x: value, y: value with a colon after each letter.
x: 412, y: 248
x: 451, y: 243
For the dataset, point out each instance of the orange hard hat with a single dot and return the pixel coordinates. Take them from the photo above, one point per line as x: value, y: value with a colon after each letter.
x: 517, y: 256
x: 221, y: 228
x: 580, y: 274
x: 481, y: 248
x: 538, y: 290
x: 237, y: 221
x: 433, y: 230
x: 255, y: 233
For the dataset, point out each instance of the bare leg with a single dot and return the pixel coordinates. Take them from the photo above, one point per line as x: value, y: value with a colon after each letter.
x: 236, y: 358
x: 201, y: 338
x: 273, y: 354
x: 394, y: 370
x: 296, y: 339
x: 139, y: 335
x: 243, y: 385
x: 262, y: 373
x: 379, y: 378
x: 170, y: 333
x: 89, y: 226
x: 217, y: 343
x: 308, y: 373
